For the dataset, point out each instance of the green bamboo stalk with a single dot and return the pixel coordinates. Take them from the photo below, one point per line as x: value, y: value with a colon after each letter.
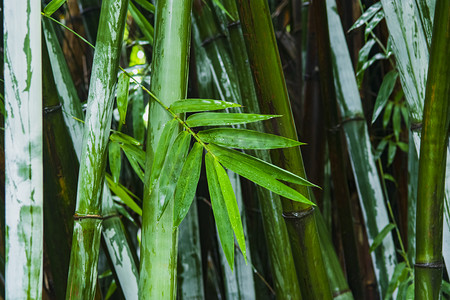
x: 272, y: 95
x: 411, y: 39
x: 23, y: 150
x: 281, y: 259
x: 432, y: 162
x: 413, y: 173
x: 335, y: 147
x: 368, y: 183
x: 60, y: 184
x: 190, y: 274
x: 87, y: 225
x: 168, y: 83
x: 71, y: 106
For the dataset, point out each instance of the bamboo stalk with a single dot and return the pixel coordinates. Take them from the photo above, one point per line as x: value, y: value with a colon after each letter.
x: 368, y: 183
x: 23, y: 150
x: 87, y: 225
x: 168, y: 83
x: 71, y: 107
x: 432, y: 162
x: 335, y: 146
x: 272, y: 95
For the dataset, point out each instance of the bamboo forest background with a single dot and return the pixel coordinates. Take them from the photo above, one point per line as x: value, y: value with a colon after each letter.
x: 100, y: 177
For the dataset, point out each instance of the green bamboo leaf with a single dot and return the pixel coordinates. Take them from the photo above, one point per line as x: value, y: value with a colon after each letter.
x: 122, y: 193
x: 410, y: 292
x: 222, y: 8
x: 371, y: 61
x: 162, y: 148
x: 120, y: 137
x: 217, y: 119
x: 187, y: 184
x: 137, y: 110
x: 146, y: 5
x: 446, y: 287
x: 362, y: 59
x: 53, y: 6
x: 366, y: 16
x: 122, y: 96
x: 231, y: 204
x: 197, y: 105
x: 220, y: 211
x: 392, y: 149
x: 374, y: 22
x: 144, y: 25
x: 245, y: 139
x: 135, y: 164
x: 380, y: 237
x: 247, y: 169
x: 136, y: 153
x: 225, y: 154
x: 387, y: 113
x: 171, y: 170
x: 395, y: 280
x: 396, y: 121
x: 112, y: 288
x: 115, y: 161
x: 386, y: 88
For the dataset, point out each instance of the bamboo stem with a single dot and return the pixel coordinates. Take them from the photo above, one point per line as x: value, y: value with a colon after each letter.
x: 432, y: 161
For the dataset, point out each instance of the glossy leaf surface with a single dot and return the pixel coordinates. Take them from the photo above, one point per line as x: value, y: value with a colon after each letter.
x: 245, y: 139
x: 217, y: 119
x: 122, y: 96
x: 196, y: 105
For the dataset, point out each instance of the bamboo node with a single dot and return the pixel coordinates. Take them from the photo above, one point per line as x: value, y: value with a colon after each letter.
x: 211, y: 39
x: 87, y: 216
x: 234, y: 24
x: 51, y: 109
x: 431, y: 265
x: 298, y: 214
x: 350, y: 119
x: 416, y: 126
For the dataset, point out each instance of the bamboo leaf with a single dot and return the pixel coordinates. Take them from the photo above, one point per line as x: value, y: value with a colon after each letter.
x: 136, y: 153
x: 374, y: 22
x: 386, y: 88
x: 115, y: 161
x: 387, y: 113
x: 217, y: 119
x: 171, y: 170
x: 396, y: 121
x: 120, y: 137
x: 187, y: 184
x: 122, y: 96
x: 221, y: 7
x: 231, y: 204
x: 197, y: 105
x: 395, y: 280
x: 220, y: 211
x: 380, y: 237
x: 162, y: 148
x: 146, y: 5
x: 53, y: 6
x: 366, y: 16
x: 145, y: 27
x: 123, y: 194
x: 392, y: 149
x: 246, y: 169
x: 225, y: 154
x: 245, y: 139
x: 362, y: 59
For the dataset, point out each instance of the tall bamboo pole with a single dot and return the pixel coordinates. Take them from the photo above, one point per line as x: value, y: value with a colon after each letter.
x: 23, y: 150
x: 432, y: 162
x: 272, y: 94
x: 87, y: 225
x: 168, y: 83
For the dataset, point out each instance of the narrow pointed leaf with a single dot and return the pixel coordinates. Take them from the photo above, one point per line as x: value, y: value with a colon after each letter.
x: 115, y: 161
x: 196, y: 105
x: 366, y: 16
x: 171, y: 170
x: 374, y: 22
x: 124, y: 138
x: 163, y: 146
x: 247, y: 169
x: 386, y: 88
x: 216, y: 119
x: 245, y: 139
x: 187, y: 184
x: 122, y: 96
x: 145, y: 27
x: 53, y: 6
x: 225, y: 154
x: 220, y: 211
x: 136, y: 153
x: 380, y: 237
x: 146, y: 5
x: 395, y: 280
x: 119, y: 190
x: 231, y: 204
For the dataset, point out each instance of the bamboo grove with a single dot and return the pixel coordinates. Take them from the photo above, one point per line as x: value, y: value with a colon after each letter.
x: 225, y: 149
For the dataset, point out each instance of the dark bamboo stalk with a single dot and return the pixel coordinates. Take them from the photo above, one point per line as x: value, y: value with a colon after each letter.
x: 432, y: 161
x: 272, y: 95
